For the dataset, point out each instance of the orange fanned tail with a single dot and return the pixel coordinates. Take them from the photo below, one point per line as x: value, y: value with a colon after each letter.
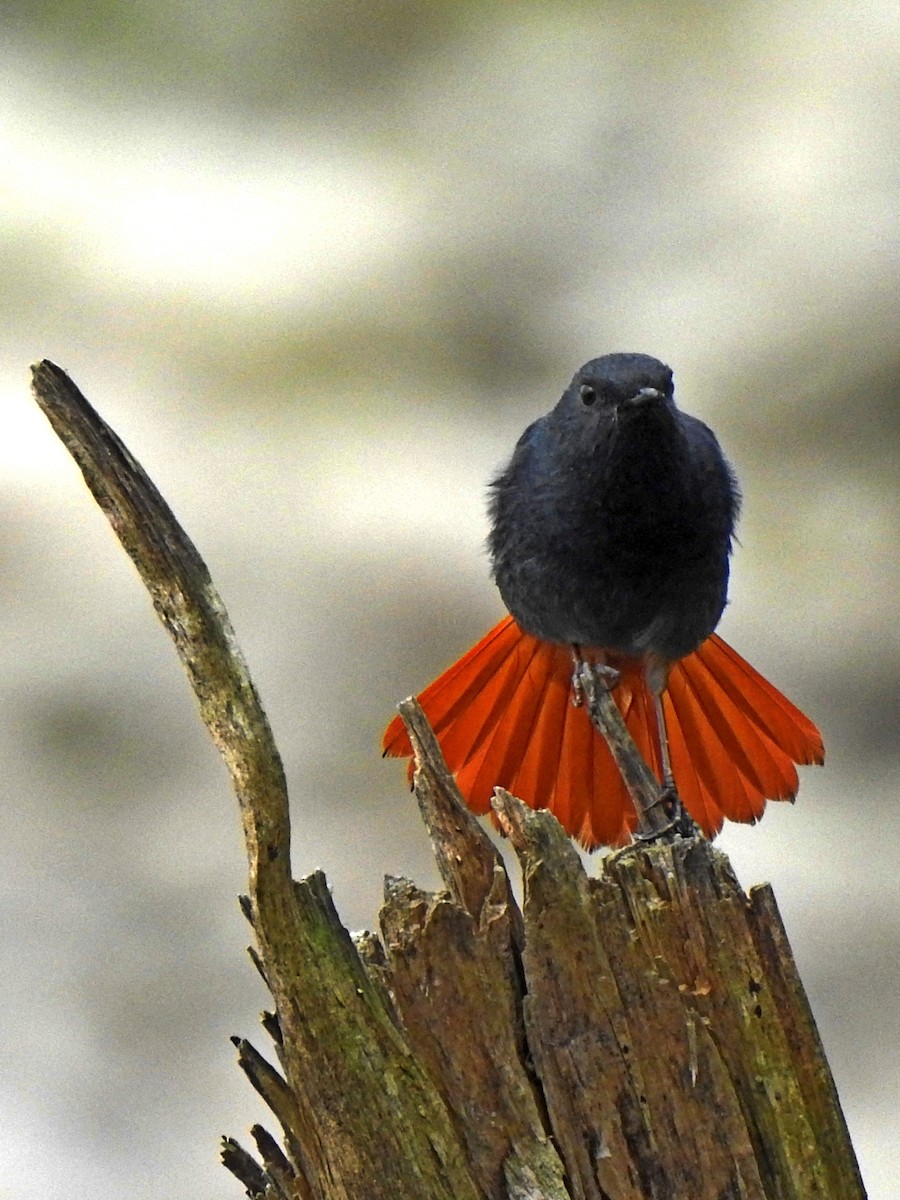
x: 503, y: 715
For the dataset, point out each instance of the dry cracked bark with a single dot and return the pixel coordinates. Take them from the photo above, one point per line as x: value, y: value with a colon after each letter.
x: 639, y: 1035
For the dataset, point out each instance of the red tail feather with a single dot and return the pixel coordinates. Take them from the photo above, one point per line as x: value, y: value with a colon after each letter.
x: 504, y: 716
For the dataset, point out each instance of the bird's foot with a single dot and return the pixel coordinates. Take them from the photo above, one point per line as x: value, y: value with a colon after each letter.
x: 585, y: 676
x: 680, y: 822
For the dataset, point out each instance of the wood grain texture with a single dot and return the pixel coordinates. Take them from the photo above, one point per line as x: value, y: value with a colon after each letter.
x: 643, y: 1035
x: 340, y: 1043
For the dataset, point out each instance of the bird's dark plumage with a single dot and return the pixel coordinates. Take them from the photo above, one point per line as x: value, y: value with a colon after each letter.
x: 611, y: 529
x: 612, y: 523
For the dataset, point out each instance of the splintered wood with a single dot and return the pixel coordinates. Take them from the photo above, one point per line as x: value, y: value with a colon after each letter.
x: 639, y: 1036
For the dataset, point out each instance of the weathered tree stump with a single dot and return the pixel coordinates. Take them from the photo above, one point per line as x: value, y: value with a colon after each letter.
x: 640, y: 1035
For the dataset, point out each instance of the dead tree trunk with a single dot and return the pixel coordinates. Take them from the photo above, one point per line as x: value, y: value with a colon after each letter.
x: 640, y: 1035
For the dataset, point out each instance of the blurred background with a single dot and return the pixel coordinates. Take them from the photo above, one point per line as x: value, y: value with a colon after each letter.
x: 319, y: 264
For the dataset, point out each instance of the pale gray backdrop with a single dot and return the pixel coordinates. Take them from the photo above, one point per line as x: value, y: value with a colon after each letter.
x: 319, y: 263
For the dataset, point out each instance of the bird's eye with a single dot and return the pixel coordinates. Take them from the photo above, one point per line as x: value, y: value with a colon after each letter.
x: 587, y: 393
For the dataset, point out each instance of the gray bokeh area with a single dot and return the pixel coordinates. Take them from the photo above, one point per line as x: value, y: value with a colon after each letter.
x: 319, y: 264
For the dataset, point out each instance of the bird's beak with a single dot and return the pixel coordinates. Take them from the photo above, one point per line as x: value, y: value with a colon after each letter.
x: 645, y: 395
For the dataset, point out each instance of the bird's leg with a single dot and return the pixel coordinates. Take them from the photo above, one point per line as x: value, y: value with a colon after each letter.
x: 681, y: 822
x: 668, y: 779
x: 658, y: 808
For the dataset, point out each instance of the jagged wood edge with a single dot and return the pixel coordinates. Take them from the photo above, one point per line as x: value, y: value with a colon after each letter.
x: 453, y: 967
x: 388, y: 1135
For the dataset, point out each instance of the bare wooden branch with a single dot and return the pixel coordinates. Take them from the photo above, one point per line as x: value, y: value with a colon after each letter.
x: 278, y: 1168
x: 639, y: 1036
x: 466, y: 858
x: 452, y: 964
x: 340, y: 1043
x: 192, y: 612
x: 244, y: 1167
x: 642, y: 785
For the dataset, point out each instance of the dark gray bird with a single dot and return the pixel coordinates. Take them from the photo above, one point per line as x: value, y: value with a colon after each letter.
x: 611, y: 530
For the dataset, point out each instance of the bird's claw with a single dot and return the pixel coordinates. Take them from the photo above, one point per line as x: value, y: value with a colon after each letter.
x: 586, y: 675
x: 680, y: 824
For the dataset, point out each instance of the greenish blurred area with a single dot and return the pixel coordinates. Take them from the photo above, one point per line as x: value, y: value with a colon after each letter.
x: 319, y: 264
